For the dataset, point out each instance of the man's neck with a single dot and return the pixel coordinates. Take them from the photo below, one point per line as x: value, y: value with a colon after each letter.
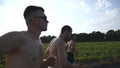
x: 62, y: 37
x: 34, y: 34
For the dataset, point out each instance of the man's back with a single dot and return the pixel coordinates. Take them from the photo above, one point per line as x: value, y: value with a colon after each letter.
x: 26, y: 54
x: 53, y: 47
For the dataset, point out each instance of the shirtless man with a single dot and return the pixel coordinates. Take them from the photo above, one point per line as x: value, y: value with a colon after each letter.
x: 70, y: 47
x: 24, y: 49
x: 57, y: 48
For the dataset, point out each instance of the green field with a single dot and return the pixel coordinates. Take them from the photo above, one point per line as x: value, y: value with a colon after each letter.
x: 95, y: 52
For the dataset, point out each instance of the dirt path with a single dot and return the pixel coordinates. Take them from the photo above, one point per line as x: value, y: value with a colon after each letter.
x: 115, y: 65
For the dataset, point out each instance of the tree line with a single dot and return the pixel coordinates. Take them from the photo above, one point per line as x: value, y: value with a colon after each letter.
x: 95, y: 36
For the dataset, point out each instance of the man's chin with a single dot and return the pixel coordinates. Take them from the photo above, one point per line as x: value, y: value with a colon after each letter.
x: 44, y: 29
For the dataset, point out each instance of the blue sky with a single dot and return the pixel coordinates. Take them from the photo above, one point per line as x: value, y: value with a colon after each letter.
x: 84, y: 16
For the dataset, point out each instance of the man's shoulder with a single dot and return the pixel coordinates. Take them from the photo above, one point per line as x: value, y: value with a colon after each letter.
x: 14, y: 34
x: 59, y: 42
x: 13, y: 38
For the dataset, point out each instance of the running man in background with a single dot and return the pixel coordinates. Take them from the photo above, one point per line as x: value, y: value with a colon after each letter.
x: 70, y: 47
x: 57, y: 48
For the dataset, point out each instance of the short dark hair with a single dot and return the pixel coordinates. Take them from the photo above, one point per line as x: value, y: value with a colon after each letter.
x: 66, y: 28
x: 31, y: 9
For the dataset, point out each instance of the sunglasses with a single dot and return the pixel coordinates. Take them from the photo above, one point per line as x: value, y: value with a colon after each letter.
x: 42, y: 17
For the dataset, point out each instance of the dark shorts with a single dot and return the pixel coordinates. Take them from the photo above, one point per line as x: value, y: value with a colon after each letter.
x: 70, y: 57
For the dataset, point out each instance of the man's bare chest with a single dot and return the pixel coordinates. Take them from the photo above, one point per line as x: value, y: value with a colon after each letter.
x: 34, y: 49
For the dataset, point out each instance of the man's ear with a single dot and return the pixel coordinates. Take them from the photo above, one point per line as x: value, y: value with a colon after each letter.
x: 30, y: 19
x: 33, y: 20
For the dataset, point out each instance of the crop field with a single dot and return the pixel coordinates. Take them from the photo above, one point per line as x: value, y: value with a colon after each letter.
x: 97, y: 50
x: 91, y: 54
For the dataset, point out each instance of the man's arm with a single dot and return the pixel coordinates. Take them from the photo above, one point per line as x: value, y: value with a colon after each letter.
x: 73, y: 44
x: 62, y: 58
x: 49, y: 62
x: 66, y: 46
x: 44, y: 64
x: 47, y: 52
x: 10, y: 41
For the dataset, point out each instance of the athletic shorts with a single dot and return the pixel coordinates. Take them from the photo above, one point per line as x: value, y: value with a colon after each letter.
x: 70, y: 57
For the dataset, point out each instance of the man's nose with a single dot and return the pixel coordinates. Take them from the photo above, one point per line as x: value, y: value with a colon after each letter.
x: 47, y: 21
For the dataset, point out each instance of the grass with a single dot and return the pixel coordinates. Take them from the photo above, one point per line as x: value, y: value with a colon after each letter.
x: 93, y: 52
x: 97, y: 50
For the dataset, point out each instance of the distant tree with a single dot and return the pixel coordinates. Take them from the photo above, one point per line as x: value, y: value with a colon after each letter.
x: 77, y: 38
x: 96, y: 36
x: 83, y: 37
x: 111, y: 35
x: 47, y: 39
x: 117, y: 35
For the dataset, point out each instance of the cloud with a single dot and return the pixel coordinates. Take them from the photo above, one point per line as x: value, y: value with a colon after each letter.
x: 78, y: 5
x: 71, y: 4
x: 102, y: 4
x: 110, y: 13
x: 108, y: 20
x: 84, y: 6
x: 112, y: 17
x: 1, y: 2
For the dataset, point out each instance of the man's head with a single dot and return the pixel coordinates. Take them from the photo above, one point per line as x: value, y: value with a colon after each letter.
x: 35, y: 16
x: 73, y: 37
x: 67, y: 31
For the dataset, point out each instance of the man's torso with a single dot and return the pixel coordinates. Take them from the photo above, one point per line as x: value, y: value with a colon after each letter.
x: 53, y: 49
x: 28, y: 55
x: 70, y: 46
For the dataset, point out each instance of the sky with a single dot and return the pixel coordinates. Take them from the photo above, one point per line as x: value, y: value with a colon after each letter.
x: 84, y: 16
